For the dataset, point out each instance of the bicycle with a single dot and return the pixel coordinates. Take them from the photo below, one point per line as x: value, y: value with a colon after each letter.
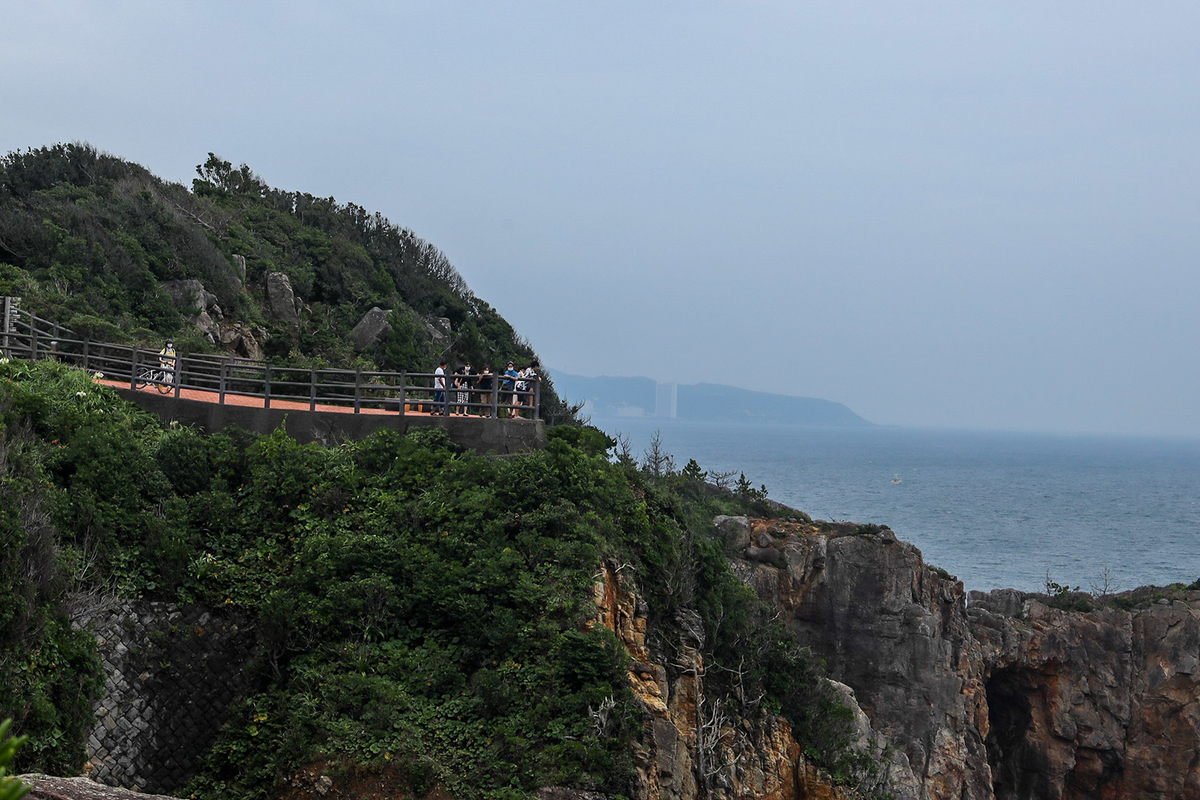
x: 158, y: 377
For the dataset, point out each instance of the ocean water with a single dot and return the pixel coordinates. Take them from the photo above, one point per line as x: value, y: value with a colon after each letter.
x: 996, y: 509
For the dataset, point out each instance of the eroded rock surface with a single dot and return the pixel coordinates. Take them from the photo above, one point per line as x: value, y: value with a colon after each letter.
x: 281, y: 299
x: 370, y: 328
x: 758, y: 757
x: 889, y: 627
x: 44, y: 787
x: 1008, y: 699
x: 190, y: 295
x: 1099, y: 704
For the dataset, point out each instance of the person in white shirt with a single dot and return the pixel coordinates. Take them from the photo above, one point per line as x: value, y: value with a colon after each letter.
x: 525, y: 381
x: 439, y: 389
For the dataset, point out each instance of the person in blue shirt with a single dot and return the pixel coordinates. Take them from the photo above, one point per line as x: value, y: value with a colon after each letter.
x: 510, y: 387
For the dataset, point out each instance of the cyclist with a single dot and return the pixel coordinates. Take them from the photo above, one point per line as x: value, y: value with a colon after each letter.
x: 166, y: 360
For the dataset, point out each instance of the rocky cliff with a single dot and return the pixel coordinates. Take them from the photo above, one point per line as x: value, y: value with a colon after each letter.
x: 1001, y: 698
x: 991, y: 696
x: 684, y: 752
x: 1005, y: 697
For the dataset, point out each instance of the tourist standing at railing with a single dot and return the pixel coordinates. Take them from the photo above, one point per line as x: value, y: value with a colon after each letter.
x: 525, y: 387
x: 486, y: 382
x: 439, y: 388
x: 509, y: 386
x: 462, y: 382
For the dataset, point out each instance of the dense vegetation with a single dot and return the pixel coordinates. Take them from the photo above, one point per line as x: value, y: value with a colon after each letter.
x: 10, y: 788
x: 87, y: 239
x: 417, y: 604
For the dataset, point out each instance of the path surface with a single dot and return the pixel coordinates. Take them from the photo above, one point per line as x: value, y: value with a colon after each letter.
x: 257, y: 401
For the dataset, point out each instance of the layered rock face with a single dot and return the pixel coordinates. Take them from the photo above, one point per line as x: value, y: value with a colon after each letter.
x: 1103, y: 704
x: 1007, y: 699
x: 889, y: 627
x: 678, y: 757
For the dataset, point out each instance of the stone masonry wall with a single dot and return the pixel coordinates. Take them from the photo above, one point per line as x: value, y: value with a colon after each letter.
x: 171, y: 676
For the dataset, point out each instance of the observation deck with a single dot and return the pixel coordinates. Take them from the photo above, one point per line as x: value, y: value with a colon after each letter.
x: 314, y: 405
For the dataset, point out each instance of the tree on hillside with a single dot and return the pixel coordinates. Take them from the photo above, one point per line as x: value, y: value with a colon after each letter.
x: 89, y: 240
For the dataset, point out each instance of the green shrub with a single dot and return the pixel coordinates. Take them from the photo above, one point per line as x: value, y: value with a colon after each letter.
x: 10, y: 787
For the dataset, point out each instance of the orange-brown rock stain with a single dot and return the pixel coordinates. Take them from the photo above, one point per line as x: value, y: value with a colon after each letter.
x: 762, y: 759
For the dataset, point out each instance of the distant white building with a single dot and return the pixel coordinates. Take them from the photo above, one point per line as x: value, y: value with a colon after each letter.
x: 666, y: 400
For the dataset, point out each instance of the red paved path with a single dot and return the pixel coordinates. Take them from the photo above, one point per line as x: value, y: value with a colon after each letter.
x: 256, y: 401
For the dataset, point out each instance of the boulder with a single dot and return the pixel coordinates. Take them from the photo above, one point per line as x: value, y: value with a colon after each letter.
x: 207, y: 326
x: 245, y: 340
x: 763, y: 555
x: 439, y: 330
x: 736, y: 530
x: 370, y: 328
x: 189, y: 295
x: 281, y: 299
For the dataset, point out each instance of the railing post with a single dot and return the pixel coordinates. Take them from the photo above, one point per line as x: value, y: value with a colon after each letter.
x: 267, y: 387
x: 357, y: 389
x: 537, y: 397
x: 403, y: 392
x: 177, y: 374
x: 496, y: 397
x: 133, y: 367
x: 312, y: 389
x: 86, y: 362
x: 33, y: 337
x: 221, y: 381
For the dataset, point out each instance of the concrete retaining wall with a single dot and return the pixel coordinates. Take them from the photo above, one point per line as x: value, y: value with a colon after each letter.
x: 329, y: 427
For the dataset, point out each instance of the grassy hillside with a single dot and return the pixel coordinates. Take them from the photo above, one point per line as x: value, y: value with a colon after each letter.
x: 89, y: 240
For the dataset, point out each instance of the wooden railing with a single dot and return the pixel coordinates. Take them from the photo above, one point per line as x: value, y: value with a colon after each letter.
x: 25, y: 335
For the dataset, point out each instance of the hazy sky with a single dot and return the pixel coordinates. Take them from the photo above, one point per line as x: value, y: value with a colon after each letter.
x: 953, y: 214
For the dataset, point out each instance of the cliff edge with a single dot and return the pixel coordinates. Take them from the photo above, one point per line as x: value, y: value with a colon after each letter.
x: 1001, y: 697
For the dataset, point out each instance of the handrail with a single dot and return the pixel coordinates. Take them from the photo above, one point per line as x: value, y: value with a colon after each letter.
x: 25, y: 335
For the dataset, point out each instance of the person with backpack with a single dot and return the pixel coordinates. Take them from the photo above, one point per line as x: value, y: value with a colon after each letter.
x: 166, y: 358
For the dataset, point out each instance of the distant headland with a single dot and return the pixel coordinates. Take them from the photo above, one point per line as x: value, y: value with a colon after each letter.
x: 607, y: 397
